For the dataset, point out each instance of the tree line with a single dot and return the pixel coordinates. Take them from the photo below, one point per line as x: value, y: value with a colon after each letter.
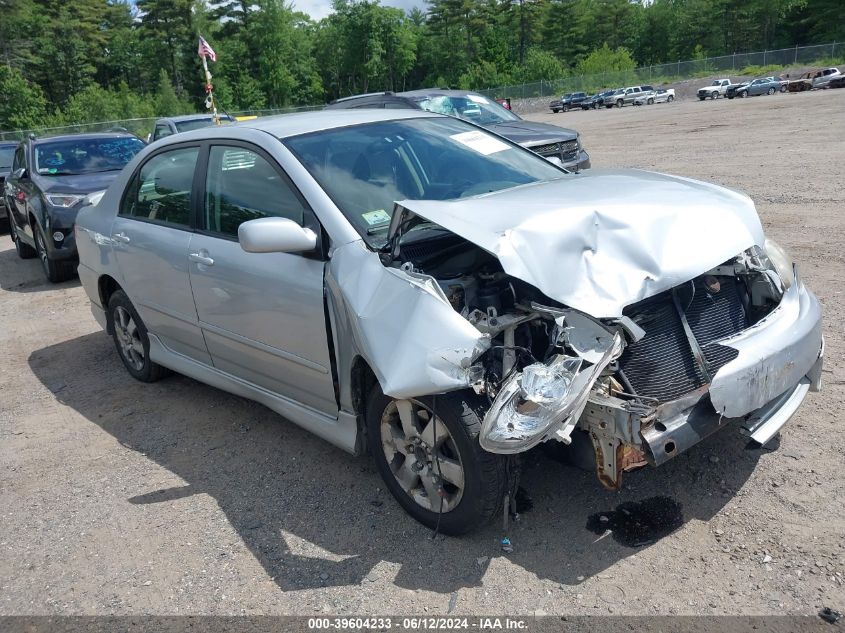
x: 74, y: 61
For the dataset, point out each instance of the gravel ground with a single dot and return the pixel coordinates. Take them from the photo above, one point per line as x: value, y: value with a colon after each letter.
x: 174, y: 498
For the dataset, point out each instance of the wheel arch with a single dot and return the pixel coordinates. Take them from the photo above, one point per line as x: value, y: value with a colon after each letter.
x: 106, y: 287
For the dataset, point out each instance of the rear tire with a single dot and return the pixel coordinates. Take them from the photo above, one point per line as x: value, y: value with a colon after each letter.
x: 401, y: 436
x: 131, y: 339
x: 670, y: 99
x: 56, y: 271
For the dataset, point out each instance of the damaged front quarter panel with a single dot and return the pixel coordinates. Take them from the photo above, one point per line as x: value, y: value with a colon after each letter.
x: 401, y: 324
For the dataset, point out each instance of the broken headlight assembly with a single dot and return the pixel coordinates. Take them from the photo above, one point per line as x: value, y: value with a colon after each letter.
x: 541, y: 400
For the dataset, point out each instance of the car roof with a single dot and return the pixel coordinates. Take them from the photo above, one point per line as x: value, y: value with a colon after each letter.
x: 444, y: 92
x: 288, y: 125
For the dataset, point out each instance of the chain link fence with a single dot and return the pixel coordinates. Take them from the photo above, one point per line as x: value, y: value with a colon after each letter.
x: 820, y: 55
x: 139, y: 127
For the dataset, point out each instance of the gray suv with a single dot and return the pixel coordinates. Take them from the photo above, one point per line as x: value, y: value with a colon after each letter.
x: 415, y: 286
x: 550, y: 141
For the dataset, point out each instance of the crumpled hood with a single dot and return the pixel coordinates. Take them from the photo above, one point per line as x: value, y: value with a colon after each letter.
x: 601, y: 240
x: 530, y: 133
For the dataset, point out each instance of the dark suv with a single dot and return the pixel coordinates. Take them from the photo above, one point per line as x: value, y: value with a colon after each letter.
x: 550, y: 141
x: 568, y: 101
x: 50, y: 178
x: 7, y: 153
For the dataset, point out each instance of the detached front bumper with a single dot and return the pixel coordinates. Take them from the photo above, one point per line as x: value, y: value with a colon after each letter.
x: 780, y: 360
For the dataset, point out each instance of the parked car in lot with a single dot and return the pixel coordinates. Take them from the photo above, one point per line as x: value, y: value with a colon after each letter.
x: 626, y: 96
x: 661, y: 95
x: 715, y: 90
x: 569, y: 101
x: 391, y: 281
x: 185, y: 123
x: 764, y: 86
x: 597, y: 100
x: 837, y: 82
x: 550, y: 141
x: 803, y: 83
x: 7, y: 154
x: 824, y: 76
x: 50, y: 179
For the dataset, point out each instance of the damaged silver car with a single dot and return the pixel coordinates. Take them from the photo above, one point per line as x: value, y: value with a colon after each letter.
x: 415, y: 286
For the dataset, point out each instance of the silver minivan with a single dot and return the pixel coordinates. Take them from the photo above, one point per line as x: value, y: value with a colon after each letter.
x: 416, y: 286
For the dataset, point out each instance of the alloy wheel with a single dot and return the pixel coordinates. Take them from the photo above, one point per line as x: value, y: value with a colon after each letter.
x: 129, y: 338
x: 422, y: 455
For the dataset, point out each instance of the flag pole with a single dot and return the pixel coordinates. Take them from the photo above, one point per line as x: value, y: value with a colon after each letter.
x: 210, y: 104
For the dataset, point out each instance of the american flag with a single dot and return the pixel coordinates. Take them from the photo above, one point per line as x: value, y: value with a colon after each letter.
x: 205, y: 50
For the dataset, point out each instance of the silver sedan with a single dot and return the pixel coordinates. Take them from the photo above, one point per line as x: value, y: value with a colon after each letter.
x: 415, y: 286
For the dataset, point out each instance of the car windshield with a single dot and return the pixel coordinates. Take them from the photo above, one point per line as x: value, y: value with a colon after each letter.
x: 473, y: 108
x: 7, y: 154
x: 85, y: 155
x: 366, y: 168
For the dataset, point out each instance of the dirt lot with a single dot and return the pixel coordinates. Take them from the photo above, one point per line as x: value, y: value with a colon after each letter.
x: 174, y: 498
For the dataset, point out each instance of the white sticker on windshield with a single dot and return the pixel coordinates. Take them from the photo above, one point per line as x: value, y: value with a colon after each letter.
x: 379, y: 216
x: 477, y: 99
x: 481, y: 142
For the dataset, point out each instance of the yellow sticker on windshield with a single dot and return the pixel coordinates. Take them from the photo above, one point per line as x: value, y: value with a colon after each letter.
x: 379, y: 216
x: 481, y: 142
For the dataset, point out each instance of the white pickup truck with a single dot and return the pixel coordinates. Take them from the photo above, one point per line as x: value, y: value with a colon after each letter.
x: 715, y: 90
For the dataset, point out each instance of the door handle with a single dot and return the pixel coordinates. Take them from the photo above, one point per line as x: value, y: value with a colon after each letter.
x: 121, y: 237
x: 199, y: 258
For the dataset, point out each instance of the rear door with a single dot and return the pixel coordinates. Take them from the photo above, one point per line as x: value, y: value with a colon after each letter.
x: 262, y: 314
x: 151, y: 234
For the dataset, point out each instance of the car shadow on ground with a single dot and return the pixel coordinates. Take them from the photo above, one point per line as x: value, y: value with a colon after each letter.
x: 315, y: 516
x: 25, y: 275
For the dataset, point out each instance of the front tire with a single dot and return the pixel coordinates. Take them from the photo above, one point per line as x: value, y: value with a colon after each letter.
x: 24, y: 251
x: 743, y: 94
x: 650, y: 102
x: 619, y: 103
x: 770, y: 91
x: 670, y: 99
x: 131, y: 339
x: 714, y: 95
x: 427, y: 452
x: 55, y: 271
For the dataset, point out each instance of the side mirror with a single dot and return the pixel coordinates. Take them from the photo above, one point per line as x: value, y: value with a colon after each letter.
x: 275, y: 235
x: 21, y: 174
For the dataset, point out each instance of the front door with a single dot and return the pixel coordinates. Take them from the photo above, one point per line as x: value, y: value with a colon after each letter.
x: 151, y: 235
x: 261, y: 313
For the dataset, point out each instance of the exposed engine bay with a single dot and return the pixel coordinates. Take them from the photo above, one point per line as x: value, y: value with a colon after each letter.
x: 551, y: 372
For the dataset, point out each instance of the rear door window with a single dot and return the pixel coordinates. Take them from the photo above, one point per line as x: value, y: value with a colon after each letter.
x: 161, y: 190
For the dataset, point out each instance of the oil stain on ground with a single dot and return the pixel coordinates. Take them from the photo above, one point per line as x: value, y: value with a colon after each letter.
x: 639, y: 523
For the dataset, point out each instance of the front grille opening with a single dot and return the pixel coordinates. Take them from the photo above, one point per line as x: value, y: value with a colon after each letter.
x: 661, y: 365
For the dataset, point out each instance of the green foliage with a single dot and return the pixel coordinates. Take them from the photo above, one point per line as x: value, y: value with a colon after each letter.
x: 22, y: 105
x: 603, y: 60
